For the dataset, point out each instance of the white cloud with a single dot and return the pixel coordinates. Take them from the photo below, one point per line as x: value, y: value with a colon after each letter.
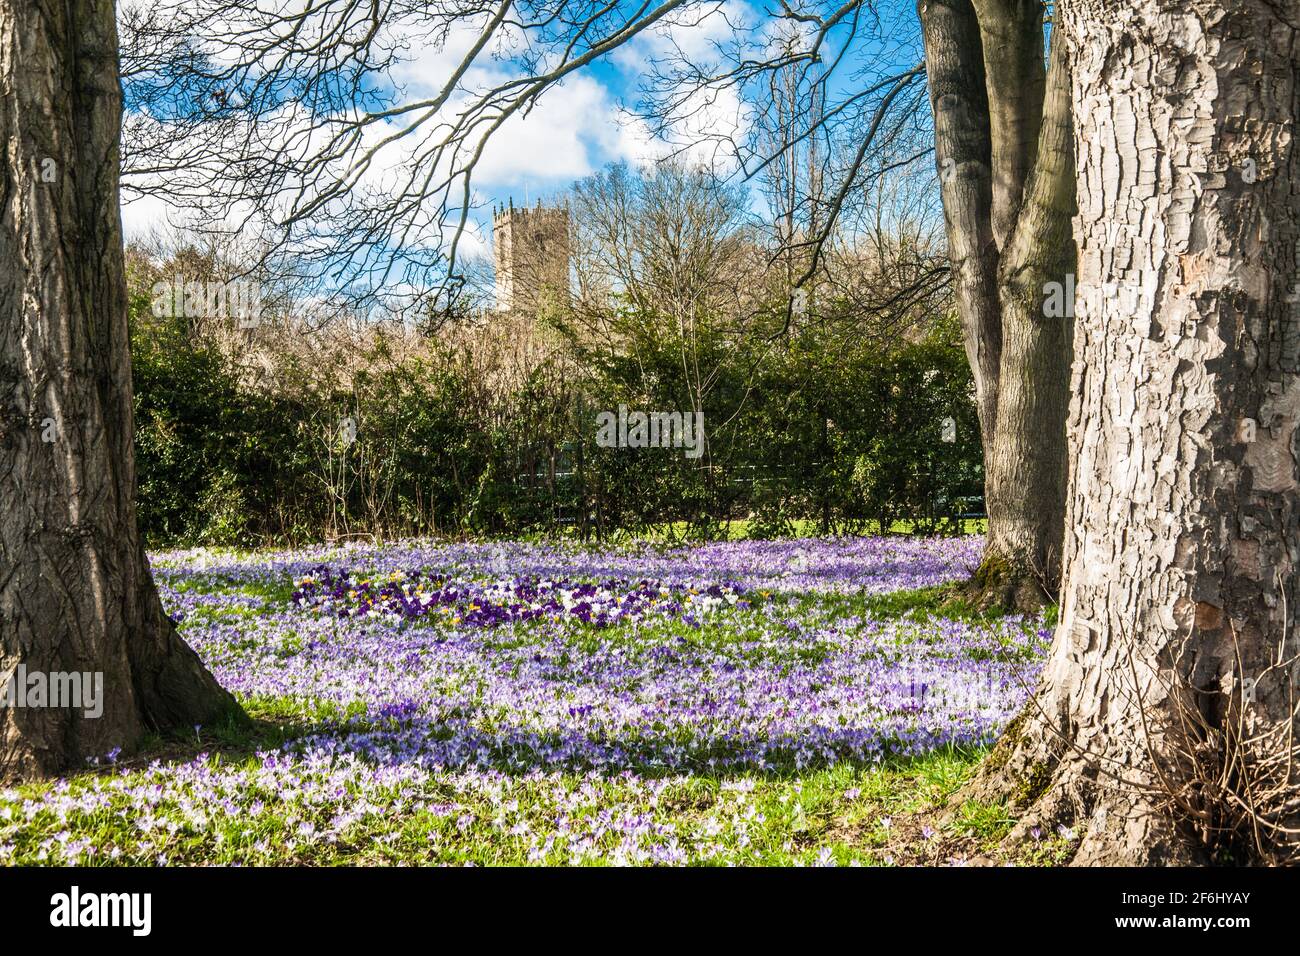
x: 562, y: 138
x: 573, y: 130
x: 142, y: 216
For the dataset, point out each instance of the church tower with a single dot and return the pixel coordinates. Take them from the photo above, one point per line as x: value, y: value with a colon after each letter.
x: 531, y: 255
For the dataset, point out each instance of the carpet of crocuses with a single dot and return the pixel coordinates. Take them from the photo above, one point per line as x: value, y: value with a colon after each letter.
x: 501, y: 703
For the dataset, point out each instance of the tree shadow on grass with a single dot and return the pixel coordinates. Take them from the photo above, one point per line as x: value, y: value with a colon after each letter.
x: 397, y: 735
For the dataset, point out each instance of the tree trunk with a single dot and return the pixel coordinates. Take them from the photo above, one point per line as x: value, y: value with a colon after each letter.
x: 1163, y: 726
x: 1025, y: 468
x: 75, y: 590
x: 1003, y: 140
x: 954, y: 66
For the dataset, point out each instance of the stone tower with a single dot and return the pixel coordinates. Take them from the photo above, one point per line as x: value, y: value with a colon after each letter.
x: 531, y: 253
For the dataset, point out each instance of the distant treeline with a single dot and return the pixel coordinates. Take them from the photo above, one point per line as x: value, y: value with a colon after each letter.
x: 292, y: 429
x: 423, y: 444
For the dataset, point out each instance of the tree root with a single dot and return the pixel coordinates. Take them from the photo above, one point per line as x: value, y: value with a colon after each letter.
x: 1000, y: 585
x: 1052, y: 789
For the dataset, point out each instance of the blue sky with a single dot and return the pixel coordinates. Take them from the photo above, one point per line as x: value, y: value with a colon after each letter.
x: 582, y: 125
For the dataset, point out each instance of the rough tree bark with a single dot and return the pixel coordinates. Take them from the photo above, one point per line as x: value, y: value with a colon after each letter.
x: 1004, y: 146
x: 75, y: 589
x: 1163, y: 727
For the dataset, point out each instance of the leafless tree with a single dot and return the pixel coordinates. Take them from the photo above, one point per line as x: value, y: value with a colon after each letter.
x: 288, y: 124
x: 667, y: 256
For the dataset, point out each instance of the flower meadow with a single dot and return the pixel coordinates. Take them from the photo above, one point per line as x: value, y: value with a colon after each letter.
x: 510, y: 703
